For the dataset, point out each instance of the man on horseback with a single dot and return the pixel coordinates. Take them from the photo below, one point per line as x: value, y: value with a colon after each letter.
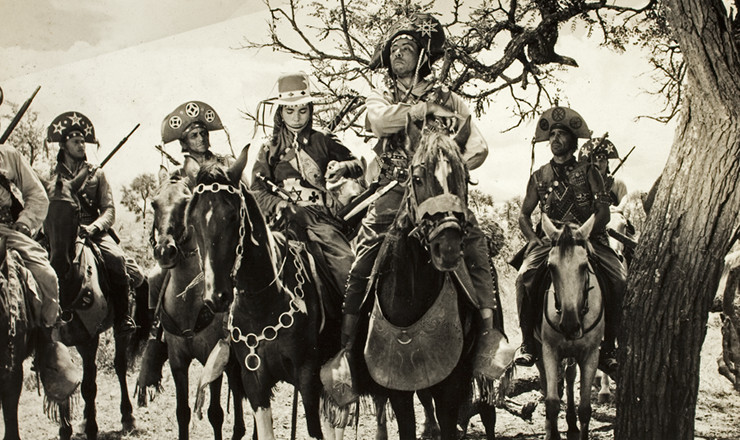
x: 408, y: 52
x: 190, y: 123
x: 567, y: 191
x: 598, y: 152
x: 23, y: 207
x: 301, y: 160
x: 72, y: 130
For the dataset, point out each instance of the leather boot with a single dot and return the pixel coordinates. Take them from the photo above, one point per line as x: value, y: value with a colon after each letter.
x: 527, y: 354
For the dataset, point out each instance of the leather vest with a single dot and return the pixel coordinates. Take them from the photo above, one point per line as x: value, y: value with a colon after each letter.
x: 565, y: 196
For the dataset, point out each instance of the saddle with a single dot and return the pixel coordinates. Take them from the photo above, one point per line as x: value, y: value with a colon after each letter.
x: 90, y: 305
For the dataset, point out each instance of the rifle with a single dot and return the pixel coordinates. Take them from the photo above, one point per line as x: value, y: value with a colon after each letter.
x: 167, y: 155
x: 18, y: 116
x: 274, y: 188
x: 348, y: 107
x: 120, y: 144
x: 622, y: 161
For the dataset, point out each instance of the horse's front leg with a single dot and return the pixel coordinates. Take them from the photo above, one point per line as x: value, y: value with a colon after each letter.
x: 430, y: 426
x: 402, y: 403
x: 215, y: 412
x: 120, y: 363
x: 11, y: 393
x: 89, y: 387
x: 235, y: 385
x: 588, y: 372
x: 381, y: 421
x: 257, y: 389
x: 309, y: 385
x: 179, y: 366
x: 551, y: 364
x: 570, y: 412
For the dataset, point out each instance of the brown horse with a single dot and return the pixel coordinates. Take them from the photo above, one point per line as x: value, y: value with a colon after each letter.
x: 572, y: 326
x: 191, y: 330
x: 275, y: 312
x: 15, y: 329
x: 85, y: 310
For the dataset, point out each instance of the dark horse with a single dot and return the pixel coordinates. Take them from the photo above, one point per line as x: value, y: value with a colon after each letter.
x: 191, y: 329
x: 276, y: 315
x: 80, y: 285
x: 418, y: 300
x: 15, y: 327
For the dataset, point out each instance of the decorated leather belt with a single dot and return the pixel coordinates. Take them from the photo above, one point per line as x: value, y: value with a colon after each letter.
x: 303, y: 195
x: 6, y: 217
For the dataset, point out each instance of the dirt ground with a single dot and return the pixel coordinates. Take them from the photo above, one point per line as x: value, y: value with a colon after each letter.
x: 717, y: 414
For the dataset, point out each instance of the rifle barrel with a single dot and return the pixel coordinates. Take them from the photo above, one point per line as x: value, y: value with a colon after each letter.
x: 117, y: 147
x: 18, y: 116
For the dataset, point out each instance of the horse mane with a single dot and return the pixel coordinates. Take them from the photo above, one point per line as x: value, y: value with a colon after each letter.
x: 566, y: 241
x: 212, y: 173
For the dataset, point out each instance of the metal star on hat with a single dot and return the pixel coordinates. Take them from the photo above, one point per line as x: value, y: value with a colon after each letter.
x: 69, y: 122
x: 426, y: 28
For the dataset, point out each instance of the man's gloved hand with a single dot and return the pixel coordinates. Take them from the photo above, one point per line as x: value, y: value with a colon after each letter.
x: 20, y: 227
x: 89, y: 231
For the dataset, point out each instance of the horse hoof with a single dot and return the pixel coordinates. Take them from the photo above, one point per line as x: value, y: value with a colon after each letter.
x: 432, y: 433
x: 128, y: 426
x: 604, y: 398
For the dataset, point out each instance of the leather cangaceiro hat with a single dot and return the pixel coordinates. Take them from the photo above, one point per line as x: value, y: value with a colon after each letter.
x: 560, y: 117
x: 595, y: 147
x: 177, y: 122
x: 294, y: 89
x: 425, y: 30
x: 71, y: 122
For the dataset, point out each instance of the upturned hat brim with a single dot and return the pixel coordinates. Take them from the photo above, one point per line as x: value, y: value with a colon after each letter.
x: 563, y: 117
x: 425, y: 30
x: 67, y: 123
x: 177, y: 122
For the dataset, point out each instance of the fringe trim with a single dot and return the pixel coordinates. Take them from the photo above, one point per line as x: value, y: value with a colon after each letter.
x: 53, y: 408
x: 146, y: 394
x: 337, y: 416
x: 492, y: 391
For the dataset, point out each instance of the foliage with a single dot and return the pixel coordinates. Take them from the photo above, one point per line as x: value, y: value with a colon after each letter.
x: 499, y: 223
x: 491, y: 47
x: 136, y: 195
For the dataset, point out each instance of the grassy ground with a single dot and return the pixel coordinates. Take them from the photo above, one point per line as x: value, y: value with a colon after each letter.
x: 717, y: 418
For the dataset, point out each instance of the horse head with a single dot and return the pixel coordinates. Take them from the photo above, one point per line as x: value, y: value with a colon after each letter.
x: 62, y: 221
x: 438, y: 191
x: 170, y: 238
x: 222, y: 215
x: 570, y: 272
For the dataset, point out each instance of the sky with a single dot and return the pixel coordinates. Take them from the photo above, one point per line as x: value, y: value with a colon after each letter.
x: 119, y: 66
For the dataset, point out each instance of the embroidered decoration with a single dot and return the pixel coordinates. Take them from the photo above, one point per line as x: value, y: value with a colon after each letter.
x: 558, y: 114
x: 192, y: 110
x: 175, y: 122
x: 74, y: 119
x: 427, y: 28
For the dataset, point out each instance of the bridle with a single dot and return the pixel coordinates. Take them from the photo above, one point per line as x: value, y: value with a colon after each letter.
x: 252, y: 361
x: 586, y: 290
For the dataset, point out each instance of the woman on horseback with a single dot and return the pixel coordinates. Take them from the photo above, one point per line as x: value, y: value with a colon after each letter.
x: 291, y: 174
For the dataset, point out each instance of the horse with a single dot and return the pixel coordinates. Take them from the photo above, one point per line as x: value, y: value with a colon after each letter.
x: 418, y: 296
x: 278, y: 330
x: 84, y: 310
x: 15, y: 336
x: 191, y: 330
x: 572, y: 326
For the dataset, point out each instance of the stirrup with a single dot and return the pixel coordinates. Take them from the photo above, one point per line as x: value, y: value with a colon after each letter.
x: 127, y: 327
x: 524, y: 357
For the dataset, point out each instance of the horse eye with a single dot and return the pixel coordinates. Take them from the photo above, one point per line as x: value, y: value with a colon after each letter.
x: 417, y: 180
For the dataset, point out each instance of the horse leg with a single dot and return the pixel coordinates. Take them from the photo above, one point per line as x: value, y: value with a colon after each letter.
x: 381, y: 421
x: 402, y: 403
x: 588, y: 371
x: 232, y: 373
x: 605, y: 392
x: 431, y: 427
x: 215, y: 412
x: 488, y: 419
x: 89, y: 387
x: 447, y: 402
x: 570, y: 414
x: 309, y: 386
x: 179, y: 369
x: 10, y: 395
x: 120, y: 363
x: 65, y: 421
x: 552, y: 396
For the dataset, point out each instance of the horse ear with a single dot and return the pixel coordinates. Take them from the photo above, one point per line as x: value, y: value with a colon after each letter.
x: 550, y: 229
x: 461, y: 138
x: 236, y: 169
x: 413, y: 134
x: 585, y: 229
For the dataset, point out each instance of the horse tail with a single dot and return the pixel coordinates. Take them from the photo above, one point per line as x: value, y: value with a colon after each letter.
x: 144, y: 321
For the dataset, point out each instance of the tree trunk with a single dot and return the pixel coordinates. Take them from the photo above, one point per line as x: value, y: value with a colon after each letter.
x: 689, y: 231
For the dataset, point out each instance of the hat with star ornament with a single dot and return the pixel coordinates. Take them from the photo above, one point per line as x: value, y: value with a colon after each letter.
x: 560, y: 117
x: 597, y: 146
x: 177, y: 123
x: 425, y: 30
x: 69, y: 124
